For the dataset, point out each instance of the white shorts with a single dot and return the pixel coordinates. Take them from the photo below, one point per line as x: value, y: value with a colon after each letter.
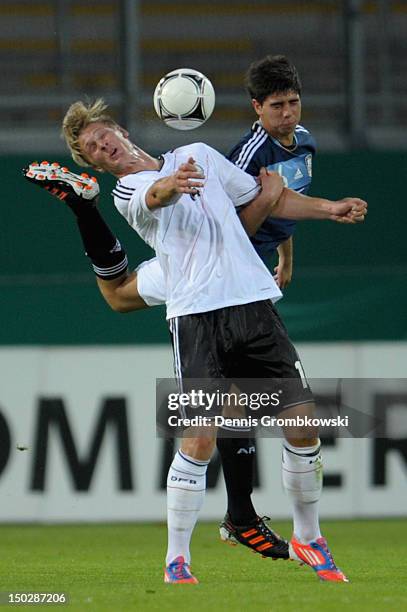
x: 151, y: 283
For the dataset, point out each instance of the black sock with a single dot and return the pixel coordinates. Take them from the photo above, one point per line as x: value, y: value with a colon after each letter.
x: 237, y: 455
x: 108, y: 258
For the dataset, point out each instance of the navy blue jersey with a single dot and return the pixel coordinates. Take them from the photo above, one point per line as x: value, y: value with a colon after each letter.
x: 258, y: 149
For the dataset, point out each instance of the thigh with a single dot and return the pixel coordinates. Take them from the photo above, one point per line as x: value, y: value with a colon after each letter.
x: 194, y: 347
x: 198, y: 362
x: 272, y: 360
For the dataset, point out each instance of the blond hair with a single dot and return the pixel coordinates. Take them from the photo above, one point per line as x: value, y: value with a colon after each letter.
x: 78, y: 116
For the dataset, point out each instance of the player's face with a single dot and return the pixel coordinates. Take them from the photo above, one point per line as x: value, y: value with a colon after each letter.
x: 279, y: 115
x: 106, y: 147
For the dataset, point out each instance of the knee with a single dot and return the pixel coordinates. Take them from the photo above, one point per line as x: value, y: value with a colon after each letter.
x: 198, y: 448
x: 302, y: 439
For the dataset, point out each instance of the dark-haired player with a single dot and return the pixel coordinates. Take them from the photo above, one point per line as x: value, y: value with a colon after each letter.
x: 278, y: 142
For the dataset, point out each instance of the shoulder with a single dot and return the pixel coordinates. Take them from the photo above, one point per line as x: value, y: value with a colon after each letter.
x: 125, y: 187
x: 305, y: 138
x: 204, y: 155
x: 129, y: 191
x: 256, y: 134
x: 247, y: 153
x: 195, y: 148
x: 238, y: 146
x: 200, y: 151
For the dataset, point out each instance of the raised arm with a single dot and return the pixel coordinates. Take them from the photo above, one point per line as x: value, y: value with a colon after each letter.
x: 168, y: 190
x: 293, y: 205
x: 278, y: 201
x: 255, y: 213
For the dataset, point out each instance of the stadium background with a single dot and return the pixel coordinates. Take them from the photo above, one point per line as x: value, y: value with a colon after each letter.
x: 77, y: 379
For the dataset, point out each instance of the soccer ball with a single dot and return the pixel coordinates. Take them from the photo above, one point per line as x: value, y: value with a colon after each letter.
x: 184, y: 99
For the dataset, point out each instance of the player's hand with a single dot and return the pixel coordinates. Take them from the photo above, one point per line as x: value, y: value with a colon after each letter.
x: 188, y: 178
x: 283, y: 274
x: 349, y: 210
x: 272, y: 184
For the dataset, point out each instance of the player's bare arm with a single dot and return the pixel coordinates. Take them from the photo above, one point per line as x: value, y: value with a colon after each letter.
x: 293, y: 205
x: 255, y: 213
x: 167, y: 191
x: 283, y: 271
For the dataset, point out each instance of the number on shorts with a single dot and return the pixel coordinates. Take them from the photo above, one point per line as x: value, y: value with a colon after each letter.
x: 298, y: 366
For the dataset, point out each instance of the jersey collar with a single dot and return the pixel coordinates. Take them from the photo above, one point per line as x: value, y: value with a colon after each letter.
x: 257, y: 127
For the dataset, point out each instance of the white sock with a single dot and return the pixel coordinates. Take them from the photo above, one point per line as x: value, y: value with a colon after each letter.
x: 186, y: 484
x: 302, y: 480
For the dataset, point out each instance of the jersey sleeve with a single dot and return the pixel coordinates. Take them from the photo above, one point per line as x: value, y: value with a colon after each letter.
x: 253, y: 167
x: 240, y: 186
x: 151, y: 283
x: 250, y: 164
x: 248, y: 153
x: 130, y: 200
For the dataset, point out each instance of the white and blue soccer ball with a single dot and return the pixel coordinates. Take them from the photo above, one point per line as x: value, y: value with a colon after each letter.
x: 184, y: 99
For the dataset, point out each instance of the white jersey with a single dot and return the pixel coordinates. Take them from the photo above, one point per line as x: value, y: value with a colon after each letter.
x: 206, y: 257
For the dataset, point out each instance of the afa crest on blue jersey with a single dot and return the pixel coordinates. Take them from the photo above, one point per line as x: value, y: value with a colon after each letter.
x: 296, y: 172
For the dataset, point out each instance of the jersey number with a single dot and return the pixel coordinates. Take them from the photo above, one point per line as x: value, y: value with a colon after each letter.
x: 298, y: 366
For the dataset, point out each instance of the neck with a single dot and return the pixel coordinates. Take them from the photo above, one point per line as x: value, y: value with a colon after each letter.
x: 139, y: 161
x: 287, y: 141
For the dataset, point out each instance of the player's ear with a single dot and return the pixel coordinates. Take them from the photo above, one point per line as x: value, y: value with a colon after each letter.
x: 124, y: 132
x: 257, y: 106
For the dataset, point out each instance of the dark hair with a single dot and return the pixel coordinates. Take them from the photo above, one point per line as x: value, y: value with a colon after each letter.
x: 270, y: 75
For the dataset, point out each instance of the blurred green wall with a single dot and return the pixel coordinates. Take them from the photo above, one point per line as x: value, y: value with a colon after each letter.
x: 350, y: 283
